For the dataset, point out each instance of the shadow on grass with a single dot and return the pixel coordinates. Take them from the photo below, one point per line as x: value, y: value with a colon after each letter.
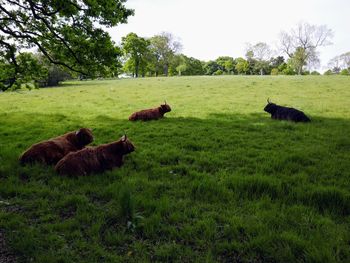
x: 253, y: 155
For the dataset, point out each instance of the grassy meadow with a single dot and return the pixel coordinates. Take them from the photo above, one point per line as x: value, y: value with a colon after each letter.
x: 217, y: 180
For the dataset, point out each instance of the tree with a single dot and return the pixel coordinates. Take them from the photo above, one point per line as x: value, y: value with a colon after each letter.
x: 302, y: 42
x: 342, y: 61
x: 274, y: 71
x: 344, y: 72
x: 299, y: 59
x: 315, y: 73
x: 226, y: 64
x: 211, y: 67
x: 186, y: 66
x: 261, y: 53
x: 29, y: 70
x: 194, y: 67
x: 67, y: 32
x: 277, y: 61
x: 328, y: 72
x: 346, y: 59
x: 136, y: 50
x: 54, y: 73
x: 181, y: 68
x: 242, y: 66
x: 164, y: 47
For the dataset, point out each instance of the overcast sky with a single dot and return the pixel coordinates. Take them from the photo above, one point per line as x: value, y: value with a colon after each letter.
x: 208, y: 29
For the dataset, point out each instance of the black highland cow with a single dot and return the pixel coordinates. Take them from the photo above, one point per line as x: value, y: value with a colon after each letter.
x: 284, y: 113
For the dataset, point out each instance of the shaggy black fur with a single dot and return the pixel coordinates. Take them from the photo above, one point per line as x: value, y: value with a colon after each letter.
x: 284, y: 113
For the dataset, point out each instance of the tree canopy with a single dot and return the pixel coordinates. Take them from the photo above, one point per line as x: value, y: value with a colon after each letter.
x: 164, y: 47
x: 68, y: 32
x: 301, y: 44
x: 136, y: 50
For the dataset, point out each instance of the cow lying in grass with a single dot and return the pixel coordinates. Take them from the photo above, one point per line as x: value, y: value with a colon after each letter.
x: 150, y: 114
x: 51, y: 151
x: 284, y: 113
x: 95, y: 159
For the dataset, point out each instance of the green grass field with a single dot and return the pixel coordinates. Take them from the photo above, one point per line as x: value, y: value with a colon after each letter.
x: 217, y: 180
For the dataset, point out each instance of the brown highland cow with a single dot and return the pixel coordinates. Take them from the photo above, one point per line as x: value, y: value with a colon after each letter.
x: 150, y: 114
x: 95, y: 159
x: 51, y: 151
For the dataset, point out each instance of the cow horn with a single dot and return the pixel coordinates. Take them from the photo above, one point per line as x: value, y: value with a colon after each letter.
x: 124, y: 137
x: 268, y: 100
x: 164, y: 102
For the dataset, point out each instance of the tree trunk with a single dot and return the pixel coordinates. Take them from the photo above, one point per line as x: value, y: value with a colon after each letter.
x: 137, y: 62
x: 300, y: 71
x: 166, y: 69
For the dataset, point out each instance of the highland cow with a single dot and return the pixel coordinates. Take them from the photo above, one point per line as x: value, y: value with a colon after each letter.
x: 51, y: 151
x: 95, y: 159
x: 284, y: 113
x: 151, y: 114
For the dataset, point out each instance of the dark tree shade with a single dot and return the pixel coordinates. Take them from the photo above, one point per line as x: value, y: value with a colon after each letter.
x: 67, y: 32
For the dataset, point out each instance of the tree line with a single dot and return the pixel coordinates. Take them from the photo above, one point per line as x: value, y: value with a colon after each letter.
x: 71, y: 43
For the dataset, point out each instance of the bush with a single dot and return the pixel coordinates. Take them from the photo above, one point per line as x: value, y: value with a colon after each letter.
x: 344, y: 72
x: 289, y: 71
x: 328, y: 72
x: 315, y: 73
x: 274, y: 71
x: 218, y: 72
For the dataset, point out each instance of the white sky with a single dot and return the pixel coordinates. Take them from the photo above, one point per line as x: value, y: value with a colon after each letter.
x: 208, y: 29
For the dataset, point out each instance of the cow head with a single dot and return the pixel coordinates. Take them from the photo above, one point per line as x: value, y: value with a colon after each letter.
x: 165, y: 107
x: 270, y: 107
x: 84, y: 136
x: 128, y: 147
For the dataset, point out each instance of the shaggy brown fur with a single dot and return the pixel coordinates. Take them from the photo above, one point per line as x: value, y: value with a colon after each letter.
x: 150, y: 114
x: 95, y: 159
x: 51, y: 151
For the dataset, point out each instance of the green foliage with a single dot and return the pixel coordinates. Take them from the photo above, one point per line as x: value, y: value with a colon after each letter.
x: 277, y: 62
x: 259, y: 56
x: 164, y: 47
x: 28, y: 72
x: 218, y: 72
x: 181, y: 68
x: 216, y: 180
x: 242, y: 66
x: 210, y: 67
x: 187, y: 66
x: 289, y: 68
x: 226, y: 64
x: 328, y: 72
x: 136, y: 50
x: 344, y: 72
x: 274, y: 71
x: 68, y: 33
x: 315, y: 73
x: 298, y: 60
